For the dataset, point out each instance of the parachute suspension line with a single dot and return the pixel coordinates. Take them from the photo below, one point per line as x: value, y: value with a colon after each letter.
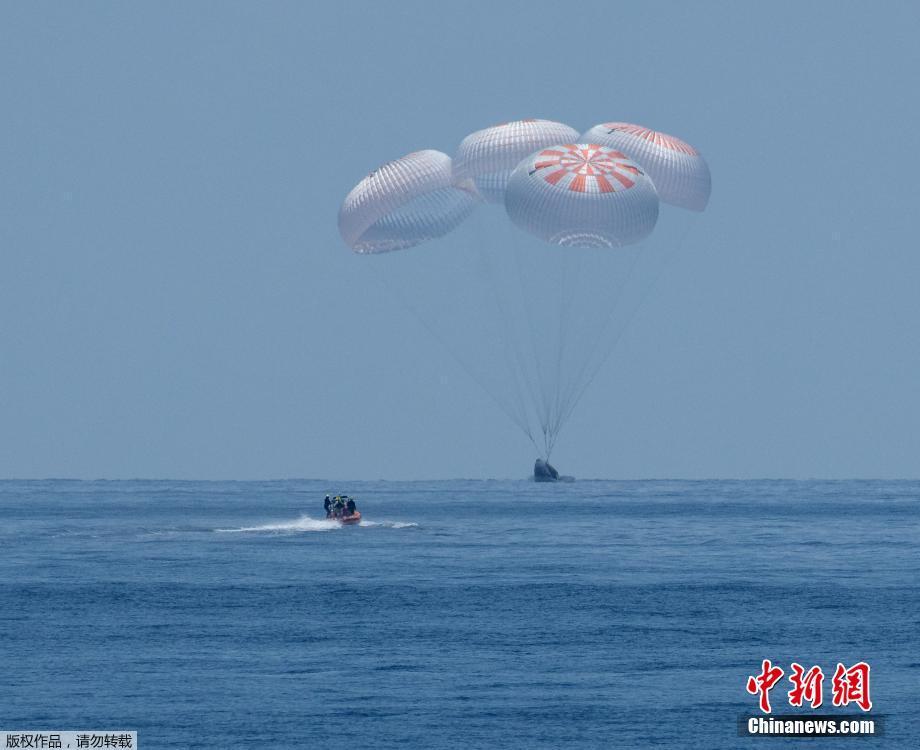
x: 644, y: 294
x: 526, y: 371
x: 569, y: 282
x: 437, y: 337
x: 553, y: 342
x: 562, y: 332
x: 512, y: 356
x: 542, y: 413
x: 572, y: 282
x: 596, y: 343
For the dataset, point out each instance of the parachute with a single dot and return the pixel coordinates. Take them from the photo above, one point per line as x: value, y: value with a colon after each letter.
x: 680, y: 174
x: 532, y: 299
x: 489, y: 156
x: 403, y: 203
x: 582, y: 195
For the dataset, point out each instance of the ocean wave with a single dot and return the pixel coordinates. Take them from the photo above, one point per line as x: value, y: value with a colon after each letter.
x: 389, y: 524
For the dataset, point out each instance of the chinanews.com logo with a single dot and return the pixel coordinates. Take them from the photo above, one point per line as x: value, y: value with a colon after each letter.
x: 849, y: 688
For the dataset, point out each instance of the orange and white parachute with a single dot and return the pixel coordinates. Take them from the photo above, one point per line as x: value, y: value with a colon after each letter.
x: 679, y: 171
x: 582, y: 195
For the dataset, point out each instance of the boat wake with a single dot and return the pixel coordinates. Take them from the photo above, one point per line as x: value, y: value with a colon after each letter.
x: 305, y: 523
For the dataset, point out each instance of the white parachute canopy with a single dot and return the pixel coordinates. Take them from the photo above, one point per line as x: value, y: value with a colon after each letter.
x: 404, y: 203
x: 489, y: 156
x: 679, y: 172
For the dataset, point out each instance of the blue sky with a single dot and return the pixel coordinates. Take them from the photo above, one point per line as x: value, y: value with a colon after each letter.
x: 175, y: 300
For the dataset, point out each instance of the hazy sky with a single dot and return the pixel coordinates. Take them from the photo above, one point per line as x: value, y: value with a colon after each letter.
x: 175, y: 300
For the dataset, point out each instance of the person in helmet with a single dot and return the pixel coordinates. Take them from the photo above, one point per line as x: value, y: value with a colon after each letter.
x: 327, y: 506
x: 350, y: 506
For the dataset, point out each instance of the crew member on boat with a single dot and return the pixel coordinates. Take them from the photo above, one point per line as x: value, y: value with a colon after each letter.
x: 341, y: 506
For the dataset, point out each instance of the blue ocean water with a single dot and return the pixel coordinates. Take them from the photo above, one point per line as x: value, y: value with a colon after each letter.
x: 461, y: 614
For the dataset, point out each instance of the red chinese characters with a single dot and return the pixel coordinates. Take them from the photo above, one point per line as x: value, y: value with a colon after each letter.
x: 806, y: 686
x: 849, y: 685
x: 763, y: 683
x: 852, y: 686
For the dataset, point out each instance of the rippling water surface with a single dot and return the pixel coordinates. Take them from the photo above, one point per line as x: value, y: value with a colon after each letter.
x: 459, y: 614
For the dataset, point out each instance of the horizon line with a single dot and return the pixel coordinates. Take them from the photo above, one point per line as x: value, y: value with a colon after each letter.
x: 459, y: 479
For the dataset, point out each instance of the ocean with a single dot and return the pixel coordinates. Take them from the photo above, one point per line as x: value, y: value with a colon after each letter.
x: 460, y: 614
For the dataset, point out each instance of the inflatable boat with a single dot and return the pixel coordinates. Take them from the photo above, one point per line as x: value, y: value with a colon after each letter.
x: 352, y: 519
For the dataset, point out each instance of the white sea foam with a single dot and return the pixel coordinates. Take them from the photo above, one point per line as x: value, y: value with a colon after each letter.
x: 389, y: 524
x: 304, y: 523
